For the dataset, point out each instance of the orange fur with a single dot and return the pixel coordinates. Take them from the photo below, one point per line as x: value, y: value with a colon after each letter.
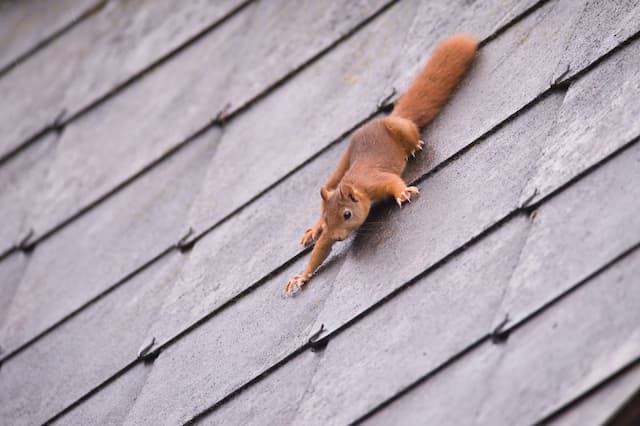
x: 371, y: 168
x: 428, y: 93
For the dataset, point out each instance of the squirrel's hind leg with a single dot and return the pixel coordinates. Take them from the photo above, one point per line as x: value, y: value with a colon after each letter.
x: 405, y: 133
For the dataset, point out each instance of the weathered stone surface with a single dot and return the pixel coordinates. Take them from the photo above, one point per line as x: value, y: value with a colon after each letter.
x: 11, y: 270
x: 21, y: 179
x: 597, y: 220
x: 603, y: 25
x: 119, y: 138
x: 111, y: 405
x: 108, y: 243
x: 536, y: 370
x: 25, y: 24
x: 330, y: 97
x: 597, y: 408
x: 94, y: 57
x: 86, y: 350
x: 598, y: 116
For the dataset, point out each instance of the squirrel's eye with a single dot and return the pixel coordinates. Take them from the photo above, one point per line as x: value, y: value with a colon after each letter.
x: 347, y: 215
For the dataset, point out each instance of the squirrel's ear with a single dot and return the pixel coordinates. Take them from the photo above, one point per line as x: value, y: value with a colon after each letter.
x: 324, y: 194
x: 347, y: 191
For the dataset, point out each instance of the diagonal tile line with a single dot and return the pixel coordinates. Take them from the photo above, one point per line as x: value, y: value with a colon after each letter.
x: 8, y: 252
x: 93, y: 391
x: 592, y: 390
x: 502, y: 27
x: 90, y: 11
x: 441, y: 367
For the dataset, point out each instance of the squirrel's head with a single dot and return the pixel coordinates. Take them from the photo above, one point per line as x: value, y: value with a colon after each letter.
x: 346, y: 209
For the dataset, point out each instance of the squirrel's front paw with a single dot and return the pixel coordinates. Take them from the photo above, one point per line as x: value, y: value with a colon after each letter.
x: 295, y: 284
x: 310, y: 236
x: 406, y: 195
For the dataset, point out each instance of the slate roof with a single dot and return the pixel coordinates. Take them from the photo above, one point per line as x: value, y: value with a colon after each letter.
x: 159, y: 161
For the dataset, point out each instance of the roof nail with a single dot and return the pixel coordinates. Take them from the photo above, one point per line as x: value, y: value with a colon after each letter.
x: 146, y: 347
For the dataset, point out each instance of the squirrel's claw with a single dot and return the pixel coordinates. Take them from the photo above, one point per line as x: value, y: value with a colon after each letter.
x: 295, y: 284
x: 418, y: 148
x: 406, y: 195
x: 310, y: 236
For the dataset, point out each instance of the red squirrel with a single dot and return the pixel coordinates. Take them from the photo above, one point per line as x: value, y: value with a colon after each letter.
x: 371, y: 168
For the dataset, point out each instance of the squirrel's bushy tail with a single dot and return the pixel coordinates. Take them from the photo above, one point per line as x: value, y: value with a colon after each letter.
x: 444, y: 70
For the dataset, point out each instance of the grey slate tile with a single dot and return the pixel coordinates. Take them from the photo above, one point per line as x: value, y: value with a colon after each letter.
x: 111, y: 405
x: 21, y: 179
x: 94, y: 57
x: 105, y: 245
x: 11, y: 270
x: 516, y: 67
x: 612, y: 23
x: 264, y: 408
x: 122, y: 136
x: 598, y: 407
x: 547, y: 263
x: 329, y: 98
x: 25, y: 24
x: 422, y: 327
x: 457, y: 204
x: 547, y: 362
x: 598, y: 116
x: 86, y: 350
